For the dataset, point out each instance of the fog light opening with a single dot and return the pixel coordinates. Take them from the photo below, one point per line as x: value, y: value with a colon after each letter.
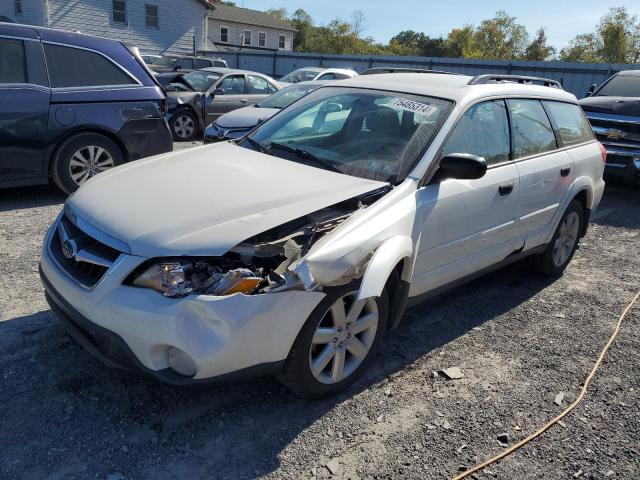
x: 181, y: 363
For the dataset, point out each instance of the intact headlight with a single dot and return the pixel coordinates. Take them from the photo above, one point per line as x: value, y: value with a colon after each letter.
x: 178, y: 278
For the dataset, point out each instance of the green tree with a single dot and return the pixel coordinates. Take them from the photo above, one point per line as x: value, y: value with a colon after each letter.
x: 539, y: 49
x: 461, y: 43
x: 280, y: 13
x: 500, y: 38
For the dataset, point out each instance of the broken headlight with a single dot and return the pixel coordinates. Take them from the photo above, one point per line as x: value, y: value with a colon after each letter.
x: 178, y: 278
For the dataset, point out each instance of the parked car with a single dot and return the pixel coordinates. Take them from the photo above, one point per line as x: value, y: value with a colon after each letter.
x: 72, y: 106
x: 200, y: 97
x: 150, y: 58
x: 614, y: 113
x: 238, y: 123
x: 318, y: 73
x: 295, y: 249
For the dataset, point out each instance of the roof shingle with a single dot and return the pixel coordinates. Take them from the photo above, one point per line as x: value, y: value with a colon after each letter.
x: 244, y: 15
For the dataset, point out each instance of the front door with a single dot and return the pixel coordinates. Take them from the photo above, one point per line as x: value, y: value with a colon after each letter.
x: 232, y: 95
x: 24, y: 110
x: 467, y: 225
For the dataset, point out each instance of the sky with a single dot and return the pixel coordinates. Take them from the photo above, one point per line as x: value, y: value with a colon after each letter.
x: 563, y: 19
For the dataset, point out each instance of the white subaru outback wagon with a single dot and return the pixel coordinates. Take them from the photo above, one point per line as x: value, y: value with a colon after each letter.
x: 293, y: 249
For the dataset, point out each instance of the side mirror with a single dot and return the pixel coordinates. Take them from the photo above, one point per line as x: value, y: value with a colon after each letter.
x: 334, y: 107
x: 592, y: 89
x: 217, y: 91
x: 462, y: 166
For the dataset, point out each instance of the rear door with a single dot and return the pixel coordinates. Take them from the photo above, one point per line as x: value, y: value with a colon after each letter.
x: 233, y: 95
x: 467, y: 225
x: 546, y: 172
x: 259, y: 88
x: 24, y: 109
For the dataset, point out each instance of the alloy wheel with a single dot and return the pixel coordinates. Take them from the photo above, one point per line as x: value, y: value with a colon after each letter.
x: 87, y: 162
x: 183, y: 126
x: 566, y: 239
x: 343, y: 338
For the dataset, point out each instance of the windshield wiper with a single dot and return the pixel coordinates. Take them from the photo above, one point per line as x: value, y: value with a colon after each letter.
x: 257, y: 145
x: 308, y: 155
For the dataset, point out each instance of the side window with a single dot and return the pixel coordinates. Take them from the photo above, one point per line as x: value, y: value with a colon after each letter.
x: 233, y: 85
x: 119, y: 11
x: 258, y: 85
x: 483, y: 130
x: 531, y: 129
x: 13, y: 68
x: 272, y: 88
x: 74, y: 67
x: 185, y: 63
x: 571, y: 122
x: 327, y: 76
x: 201, y: 63
x: 341, y: 76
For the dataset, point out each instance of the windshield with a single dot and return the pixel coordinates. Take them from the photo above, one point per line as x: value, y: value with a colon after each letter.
x: 200, y: 80
x: 371, y: 134
x: 286, y: 97
x: 301, y: 75
x: 166, y: 61
x: 621, y: 86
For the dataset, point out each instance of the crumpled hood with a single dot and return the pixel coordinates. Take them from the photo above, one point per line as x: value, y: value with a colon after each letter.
x: 205, y: 200
x: 246, y: 117
x: 629, y: 106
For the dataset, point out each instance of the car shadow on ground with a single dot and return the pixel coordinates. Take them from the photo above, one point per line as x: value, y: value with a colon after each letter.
x: 30, y: 197
x: 105, y: 416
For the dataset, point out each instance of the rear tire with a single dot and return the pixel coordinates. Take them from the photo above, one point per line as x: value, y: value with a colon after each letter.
x: 553, y: 261
x: 348, y: 355
x: 84, y: 156
x: 184, y: 126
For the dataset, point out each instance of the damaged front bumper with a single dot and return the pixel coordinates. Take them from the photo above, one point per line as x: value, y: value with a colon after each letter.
x: 135, y: 328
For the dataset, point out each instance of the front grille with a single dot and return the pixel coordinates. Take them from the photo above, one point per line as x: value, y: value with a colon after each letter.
x: 91, y: 258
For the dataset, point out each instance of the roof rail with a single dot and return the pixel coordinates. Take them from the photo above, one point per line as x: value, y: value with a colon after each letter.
x: 377, y: 70
x: 491, y: 78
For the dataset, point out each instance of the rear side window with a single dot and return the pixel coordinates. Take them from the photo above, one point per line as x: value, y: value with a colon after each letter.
x: 13, y: 68
x: 571, y: 122
x: 185, y: 63
x: 531, y: 130
x: 483, y: 130
x: 201, y: 63
x: 233, y: 85
x: 74, y: 67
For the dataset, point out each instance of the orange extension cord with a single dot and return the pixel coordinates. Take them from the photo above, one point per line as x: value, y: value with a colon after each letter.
x: 547, y: 426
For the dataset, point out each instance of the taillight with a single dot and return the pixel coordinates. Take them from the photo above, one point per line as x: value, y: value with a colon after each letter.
x: 603, y: 152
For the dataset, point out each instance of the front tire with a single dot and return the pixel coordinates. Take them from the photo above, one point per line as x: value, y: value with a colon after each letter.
x: 184, y: 126
x: 82, y: 157
x: 563, y: 245
x: 336, y: 343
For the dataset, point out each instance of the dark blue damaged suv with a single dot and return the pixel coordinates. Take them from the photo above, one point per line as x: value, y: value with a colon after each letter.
x: 72, y: 106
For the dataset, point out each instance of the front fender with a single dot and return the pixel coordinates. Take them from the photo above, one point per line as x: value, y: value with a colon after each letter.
x: 384, y: 260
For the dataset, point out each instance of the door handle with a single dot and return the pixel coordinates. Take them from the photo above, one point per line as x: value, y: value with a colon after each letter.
x: 505, y: 189
x: 565, y: 171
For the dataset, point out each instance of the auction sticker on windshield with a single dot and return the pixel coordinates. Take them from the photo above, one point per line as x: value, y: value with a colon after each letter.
x: 412, y: 106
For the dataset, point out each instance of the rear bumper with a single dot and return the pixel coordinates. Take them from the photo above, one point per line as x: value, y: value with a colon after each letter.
x: 145, y: 138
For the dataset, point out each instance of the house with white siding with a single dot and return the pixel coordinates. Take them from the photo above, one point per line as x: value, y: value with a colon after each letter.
x: 157, y: 26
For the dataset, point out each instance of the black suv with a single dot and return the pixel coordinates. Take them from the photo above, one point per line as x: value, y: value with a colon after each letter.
x: 72, y: 106
x: 614, y: 113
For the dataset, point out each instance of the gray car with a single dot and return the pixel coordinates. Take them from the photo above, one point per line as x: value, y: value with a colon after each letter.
x: 238, y: 123
x: 200, y: 97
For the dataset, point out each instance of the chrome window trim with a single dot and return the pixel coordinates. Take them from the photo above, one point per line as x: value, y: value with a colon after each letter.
x: 24, y: 39
x: 117, y: 65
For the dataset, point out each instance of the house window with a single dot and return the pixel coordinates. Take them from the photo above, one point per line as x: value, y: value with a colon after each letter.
x: 282, y: 40
x: 224, y: 34
x: 119, y: 13
x: 18, y: 6
x: 247, y: 38
x: 151, y: 16
x: 262, y: 39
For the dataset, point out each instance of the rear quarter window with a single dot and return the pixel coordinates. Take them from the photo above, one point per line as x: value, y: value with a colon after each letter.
x: 13, y: 68
x: 75, y: 67
x: 570, y: 122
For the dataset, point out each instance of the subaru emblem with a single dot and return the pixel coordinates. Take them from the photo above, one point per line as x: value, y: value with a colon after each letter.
x: 69, y: 248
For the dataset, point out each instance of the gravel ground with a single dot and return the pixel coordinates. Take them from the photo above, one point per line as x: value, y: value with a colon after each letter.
x: 518, y: 338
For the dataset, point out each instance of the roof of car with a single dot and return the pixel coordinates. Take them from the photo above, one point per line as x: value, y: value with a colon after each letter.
x: 635, y: 73
x: 454, y: 87
x: 225, y: 71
